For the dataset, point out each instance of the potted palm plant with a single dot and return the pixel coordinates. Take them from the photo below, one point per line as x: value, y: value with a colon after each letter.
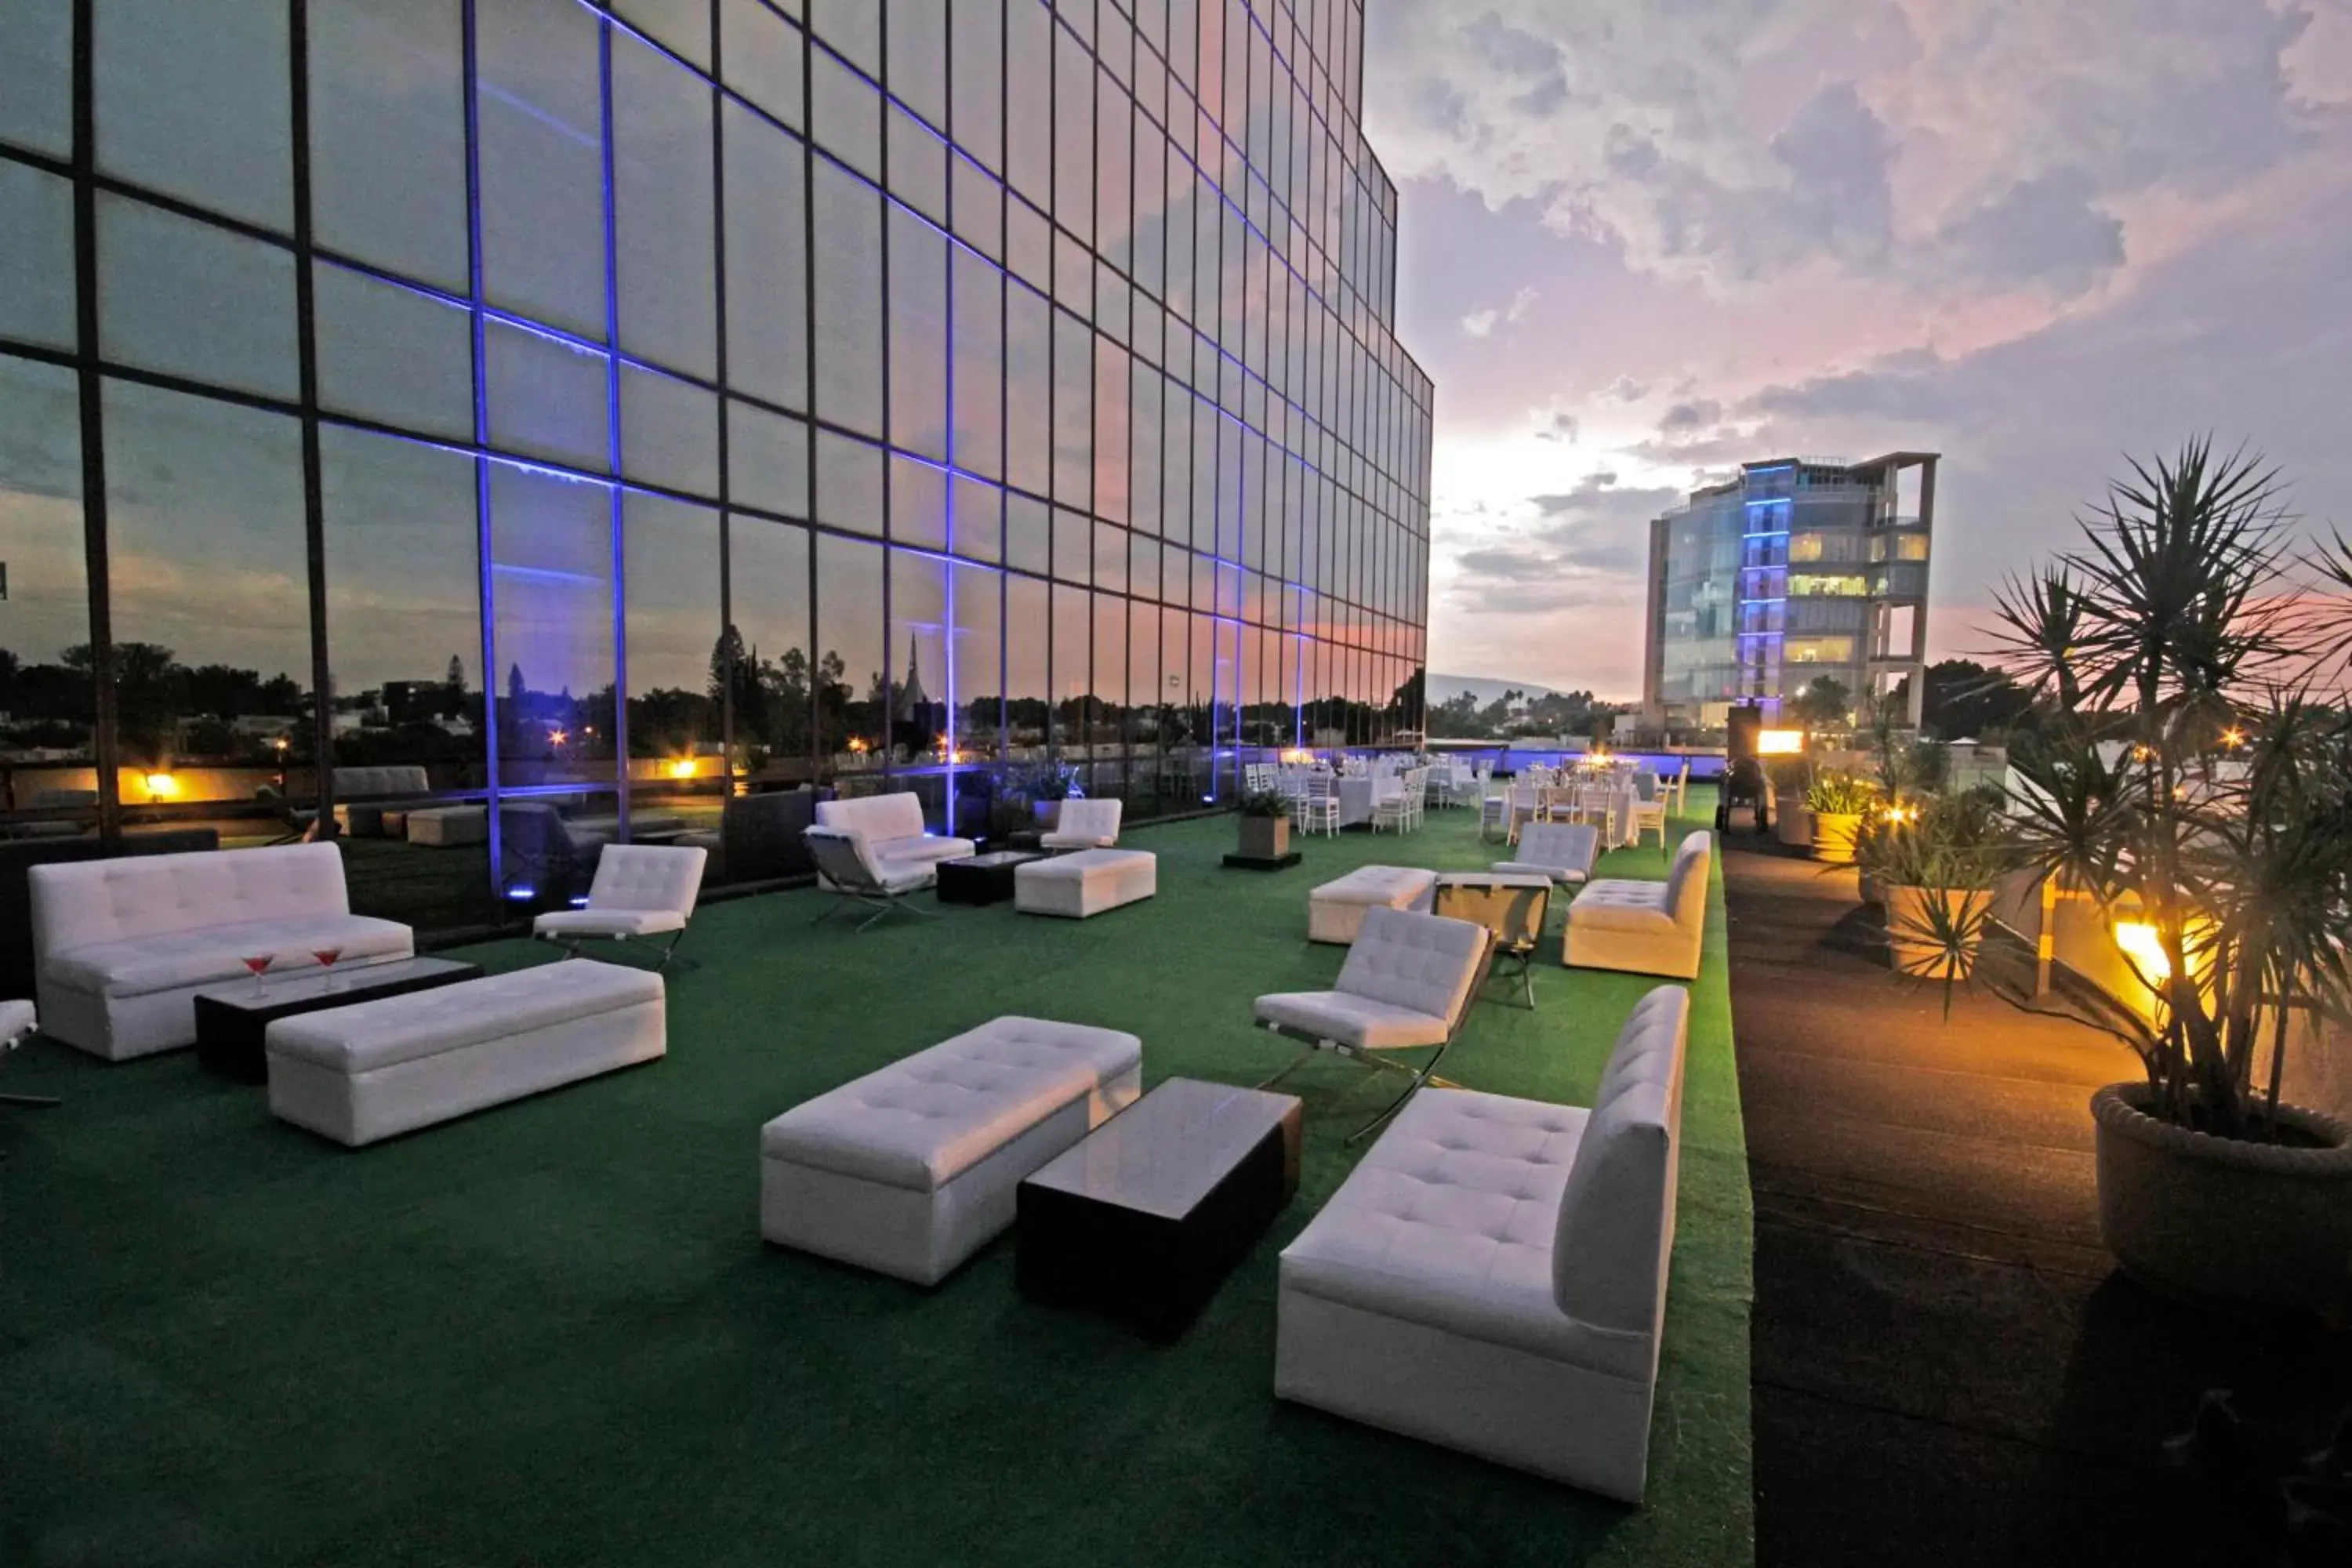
x: 2189, y: 783
x: 1933, y: 862
x: 1838, y: 800
x: 1265, y: 818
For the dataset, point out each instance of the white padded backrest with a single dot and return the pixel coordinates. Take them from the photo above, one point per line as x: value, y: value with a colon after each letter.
x: 1089, y: 818
x: 1574, y: 846
x: 149, y: 895
x: 400, y: 780
x: 1610, y: 1252
x: 1687, y: 882
x: 647, y: 877
x: 1424, y: 963
x: 880, y: 817
x: 841, y: 856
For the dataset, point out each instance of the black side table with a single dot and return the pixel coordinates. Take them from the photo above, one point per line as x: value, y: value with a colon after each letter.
x: 233, y: 1022
x: 980, y: 878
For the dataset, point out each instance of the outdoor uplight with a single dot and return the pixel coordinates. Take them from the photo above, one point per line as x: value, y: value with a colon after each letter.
x: 2140, y: 943
x: 1779, y: 743
x: 682, y: 768
x: 2234, y: 736
x: 162, y: 786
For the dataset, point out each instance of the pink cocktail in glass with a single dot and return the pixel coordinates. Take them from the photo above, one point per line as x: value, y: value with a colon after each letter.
x: 326, y: 957
x: 258, y: 962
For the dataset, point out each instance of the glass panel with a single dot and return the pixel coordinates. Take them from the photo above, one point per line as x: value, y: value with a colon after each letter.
x: 767, y: 459
x: 37, y: 256
x: 192, y: 100
x: 548, y: 397
x: 979, y: 521
x: 769, y: 582
x: 848, y: 483
x: 852, y: 707
x: 762, y: 56
x: 1108, y: 724
x: 852, y: 26
x: 1028, y: 534
x: 848, y: 300
x: 543, y: 162
x: 208, y: 578
x: 979, y: 203
x: 1073, y: 409
x: 1028, y: 389
x: 403, y: 612
x: 917, y: 35
x: 919, y: 691
x: 1074, y: 547
x: 919, y: 335
x: 37, y: 76
x: 1073, y: 655
x: 978, y: 314
x: 1111, y: 437
x: 1028, y: 688
x: 846, y: 115
x: 670, y: 432
x: 918, y: 504
x: 185, y: 298
x: 393, y: 354
x: 919, y: 165
x: 1110, y: 558
x: 45, y: 690
x: 551, y: 582
x: 767, y: 261
x: 662, y: 209
x: 681, y: 25
x: 975, y: 63
x: 670, y: 585
x: 388, y: 135
x: 976, y: 678
x: 1029, y: 115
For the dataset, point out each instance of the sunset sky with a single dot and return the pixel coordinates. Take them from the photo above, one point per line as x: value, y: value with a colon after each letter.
x: 1643, y: 242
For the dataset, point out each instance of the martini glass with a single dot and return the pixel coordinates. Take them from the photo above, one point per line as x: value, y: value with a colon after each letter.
x: 258, y: 962
x: 326, y: 957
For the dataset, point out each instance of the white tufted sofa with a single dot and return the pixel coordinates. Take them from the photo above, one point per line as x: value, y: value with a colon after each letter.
x: 1647, y: 928
x: 1080, y: 824
x: 893, y: 826
x: 913, y: 1168
x: 1492, y: 1277
x: 122, y: 947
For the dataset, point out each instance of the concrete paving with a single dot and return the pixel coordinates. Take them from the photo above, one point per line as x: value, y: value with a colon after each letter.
x: 1948, y: 1368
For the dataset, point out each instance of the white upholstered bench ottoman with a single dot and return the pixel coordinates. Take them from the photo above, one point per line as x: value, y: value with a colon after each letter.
x: 1085, y: 883
x: 911, y: 1169
x: 378, y: 1068
x: 1336, y: 910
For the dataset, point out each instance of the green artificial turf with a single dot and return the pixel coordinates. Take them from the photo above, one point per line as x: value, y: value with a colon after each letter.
x: 550, y: 1332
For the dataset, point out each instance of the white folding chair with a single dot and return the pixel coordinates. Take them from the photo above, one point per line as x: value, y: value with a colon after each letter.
x: 1317, y: 805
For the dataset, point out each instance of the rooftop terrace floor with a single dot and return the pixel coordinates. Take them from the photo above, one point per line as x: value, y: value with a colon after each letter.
x: 551, y: 1333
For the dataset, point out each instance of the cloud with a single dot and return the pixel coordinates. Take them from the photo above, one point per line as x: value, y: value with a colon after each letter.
x: 1929, y: 144
x: 1689, y: 416
x: 1480, y: 323
x: 1557, y: 424
x: 1624, y: 389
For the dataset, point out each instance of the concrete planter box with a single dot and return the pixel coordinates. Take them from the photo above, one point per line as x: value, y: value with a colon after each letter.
x: 1834, y: 837
x: 1264, y: 837
x: 1911, y: 928
x: 1792, y: 821
x: 2224, y: 1223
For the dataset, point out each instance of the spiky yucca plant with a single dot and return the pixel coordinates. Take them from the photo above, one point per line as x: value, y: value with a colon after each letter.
x: 2189, y: 778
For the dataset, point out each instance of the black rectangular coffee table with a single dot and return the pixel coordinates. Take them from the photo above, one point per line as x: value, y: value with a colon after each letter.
x: 1148, y: 1213
x: 980, y: 878
x: 232, y: 1020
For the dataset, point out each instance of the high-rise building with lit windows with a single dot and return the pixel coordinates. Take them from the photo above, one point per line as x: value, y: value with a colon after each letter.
x: 604, y: 403
x: 1800, y: 568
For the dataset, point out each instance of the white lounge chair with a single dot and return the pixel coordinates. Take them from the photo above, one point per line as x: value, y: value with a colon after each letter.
x: 1082, y: 824
x: 1644, y: 928
x: 1407, y: 985
x: 1564, y: 851
x: 640, y: 890
x: 847, y: 867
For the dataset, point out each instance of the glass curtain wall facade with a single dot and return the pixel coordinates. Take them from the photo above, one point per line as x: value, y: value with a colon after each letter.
x: 608, y: 406
x: 1798, y: 570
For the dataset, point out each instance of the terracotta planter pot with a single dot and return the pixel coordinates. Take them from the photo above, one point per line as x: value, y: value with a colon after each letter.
x: 1266, y: 837
x: 1791, y: 821
x: 1833, y: 835
x: 1911, y: 926
x: 2224, y: 1223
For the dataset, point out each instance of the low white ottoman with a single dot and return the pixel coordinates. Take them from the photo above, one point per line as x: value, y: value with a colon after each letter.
x: 378, y: 1068
x: 911, y: 1169
x: 447, y: 826
x: 1336, y: 910
x: 1085, y: 883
